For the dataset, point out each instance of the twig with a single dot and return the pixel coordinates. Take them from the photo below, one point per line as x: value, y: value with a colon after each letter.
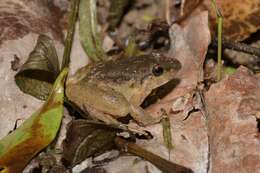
x: 219, y: 68
x: 220, y: 23
x: 70, y: 34
x: 242, y: 47
x: 163, y: 164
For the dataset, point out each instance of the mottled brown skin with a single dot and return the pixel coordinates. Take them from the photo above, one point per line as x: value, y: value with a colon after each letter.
x: 114, y: 88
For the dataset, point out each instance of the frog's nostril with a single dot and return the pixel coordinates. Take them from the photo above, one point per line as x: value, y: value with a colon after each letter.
x: 177, y: 65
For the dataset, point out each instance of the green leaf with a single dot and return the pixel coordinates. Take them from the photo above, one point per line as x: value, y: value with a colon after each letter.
x: 85, y: 139
x: 88, y: 30
x: 38, y: 131
x: 38, y: 73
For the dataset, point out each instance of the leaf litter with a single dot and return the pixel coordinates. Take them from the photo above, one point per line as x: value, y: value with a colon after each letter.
x: 233, y: 106
x: 21, y: 22
x: 37, y: 132
x: 213, y: 133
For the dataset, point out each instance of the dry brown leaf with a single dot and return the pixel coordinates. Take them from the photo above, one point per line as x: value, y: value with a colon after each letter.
x: 20, y: 17
x: 241, y: 17
x: 189, y: 137
x: 233, y: 105
x: 189, y: 46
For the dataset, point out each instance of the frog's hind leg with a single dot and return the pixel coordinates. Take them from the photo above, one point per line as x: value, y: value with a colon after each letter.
x: 109, y: 120
x: 106, y: 118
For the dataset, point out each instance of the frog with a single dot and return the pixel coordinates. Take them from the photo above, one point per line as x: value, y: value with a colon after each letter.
x: 117, y: 87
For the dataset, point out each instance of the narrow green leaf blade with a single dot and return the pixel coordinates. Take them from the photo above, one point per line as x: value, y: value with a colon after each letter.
x: 38, y: 73
x: 38, y: 131
x: 88, y: 30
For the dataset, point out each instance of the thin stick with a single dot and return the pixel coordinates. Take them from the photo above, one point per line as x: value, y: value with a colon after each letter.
x: 163, y: 164
x: 220, y: 23
x: 70, y: 33
x: 242, y: 47
x: 219, y: 67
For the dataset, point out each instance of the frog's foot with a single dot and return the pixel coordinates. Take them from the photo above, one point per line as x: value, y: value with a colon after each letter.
x: 142, y: 117
x: 136, y: 129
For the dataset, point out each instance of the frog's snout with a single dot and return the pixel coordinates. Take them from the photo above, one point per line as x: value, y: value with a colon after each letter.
x: 176, y: 64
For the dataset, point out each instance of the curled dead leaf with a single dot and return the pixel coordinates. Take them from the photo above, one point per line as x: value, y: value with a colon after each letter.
x: 38, y: 73
x: 84, y: 140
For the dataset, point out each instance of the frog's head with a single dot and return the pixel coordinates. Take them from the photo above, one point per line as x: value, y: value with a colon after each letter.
x: 160, y: 70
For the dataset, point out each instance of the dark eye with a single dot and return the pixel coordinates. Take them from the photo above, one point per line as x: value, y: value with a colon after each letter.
x: 157, y: 70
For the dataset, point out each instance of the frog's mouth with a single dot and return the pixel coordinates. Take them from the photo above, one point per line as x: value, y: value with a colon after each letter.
x: 160, y: 92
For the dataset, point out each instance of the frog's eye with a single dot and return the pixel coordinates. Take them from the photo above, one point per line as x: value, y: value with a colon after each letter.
x: 157, y: 70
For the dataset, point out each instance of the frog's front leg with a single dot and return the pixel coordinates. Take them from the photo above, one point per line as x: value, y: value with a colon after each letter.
x: 116, y: 104
x: 142, y: 117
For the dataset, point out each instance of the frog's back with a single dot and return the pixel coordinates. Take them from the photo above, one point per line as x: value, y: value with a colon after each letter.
x: 128, y: 70
x: 120, y: 70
